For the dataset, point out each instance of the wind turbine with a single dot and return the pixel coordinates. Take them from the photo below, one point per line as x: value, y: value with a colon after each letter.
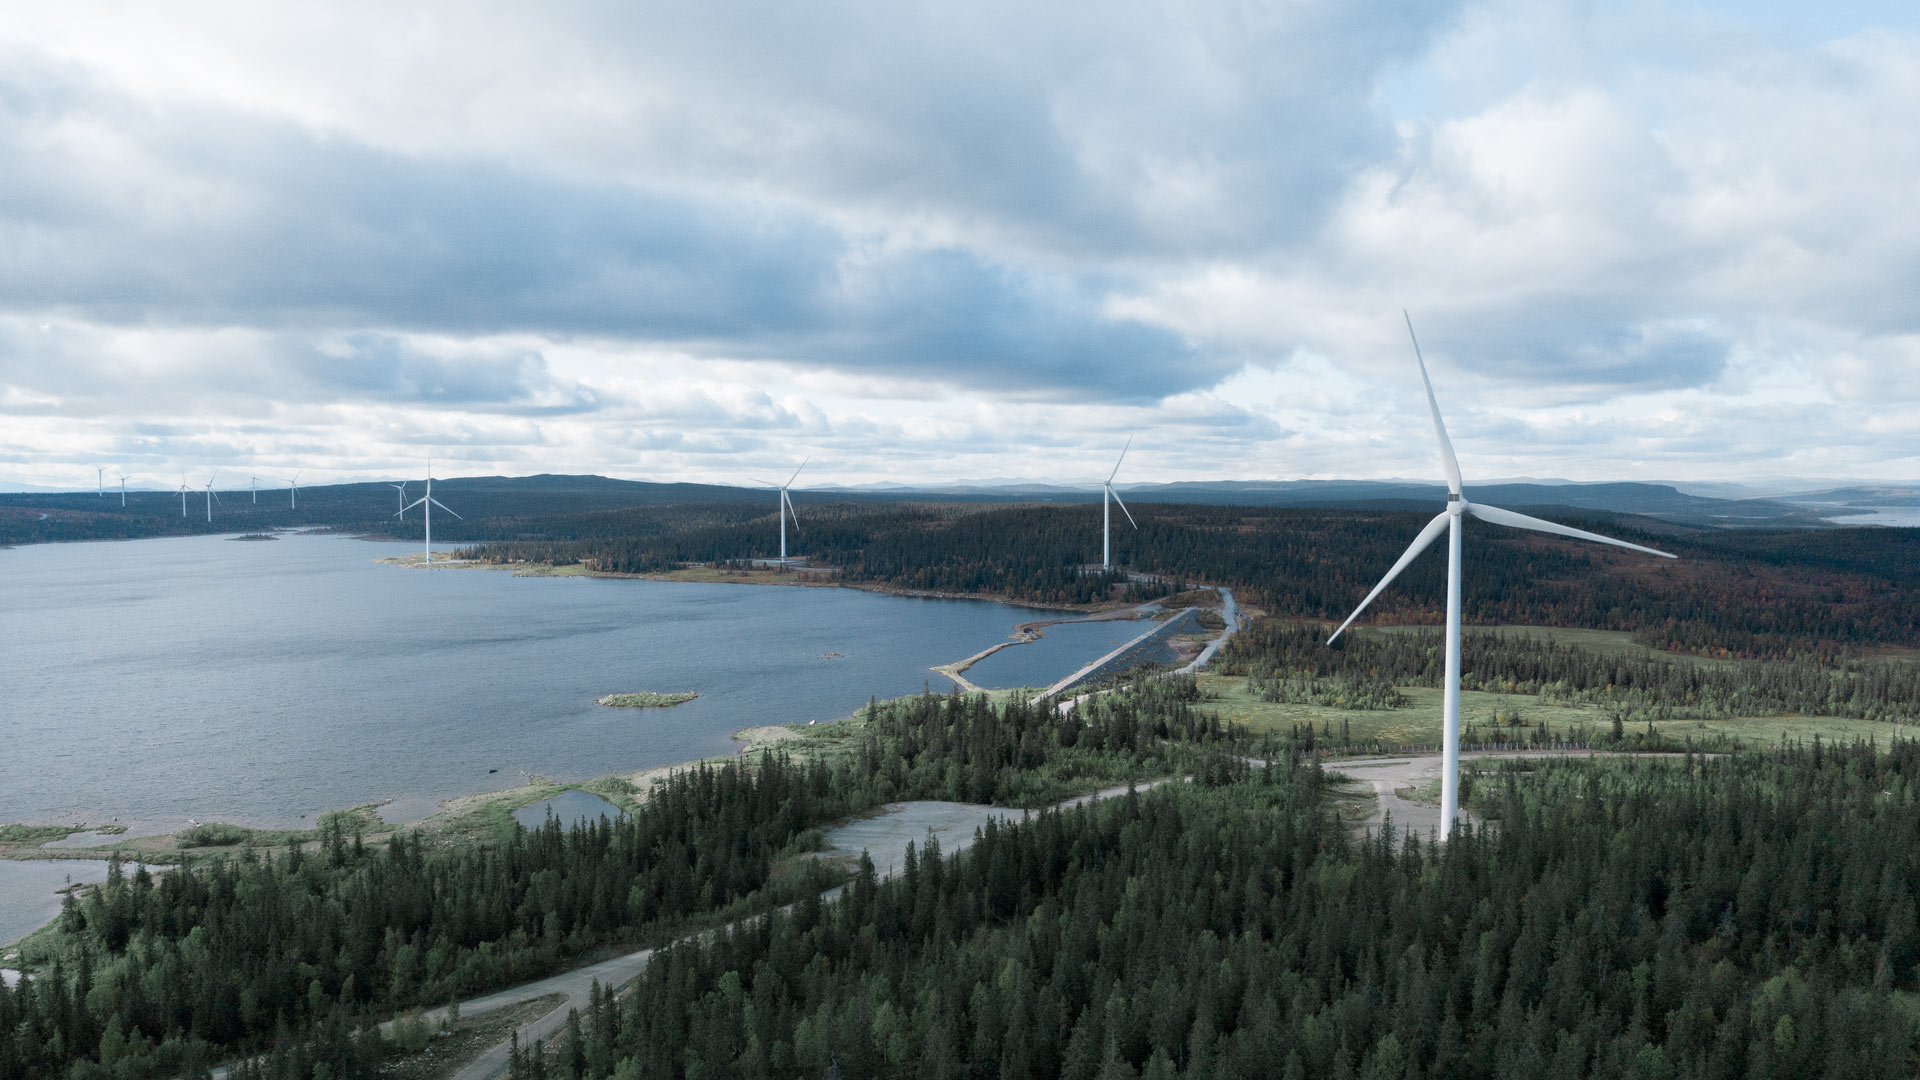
x: 1106, y: 511
x: 293, y: 491
x: 211, y: 497
x: 253, y: 481
x: 183, y: 495
x: 429, y: 502
x: 123, y: 487
x: 786, y: 507
x: 1449, y: 520
x: 401, y: 502
x: 100, y: 480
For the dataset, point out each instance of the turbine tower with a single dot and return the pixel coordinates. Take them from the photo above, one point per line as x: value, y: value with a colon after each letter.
x: 1449, y: 521
x: 211, y: 497
x: 100, y: 480
x: 183, y: 496
x: 401, y: 499
x: 429, y: 502
x: 293, y: 491
x: 253, y: 481
x: 123, y: 487
x: 786, y: 507
x: 1106, y: 511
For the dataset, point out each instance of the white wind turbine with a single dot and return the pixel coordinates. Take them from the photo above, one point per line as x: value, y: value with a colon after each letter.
x: 100, y: 480
x: 211, y: 497
x: 1106, y: 511
x: 1449, y: 520
x: 183, y: 495
x: 429, y: 502
x: 123, y: 487
x: 253, y: 481
x: 786, y: 507
x: 401, y: 498
x: 293, y: 491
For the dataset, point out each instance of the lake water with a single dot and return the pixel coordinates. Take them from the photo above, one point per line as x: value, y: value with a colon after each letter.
x: 161, y: 681
x: 29, y: 891
x: 1062, y: 650
x: 570, y: 807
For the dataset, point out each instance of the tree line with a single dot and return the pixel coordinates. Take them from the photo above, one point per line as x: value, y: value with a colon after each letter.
x: 293, y: 956
x: 1741, y: 916
x: 1360, y: 669
x: 1821, y: 596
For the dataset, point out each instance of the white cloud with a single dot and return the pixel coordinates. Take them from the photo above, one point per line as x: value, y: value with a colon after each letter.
x: 941, y: 240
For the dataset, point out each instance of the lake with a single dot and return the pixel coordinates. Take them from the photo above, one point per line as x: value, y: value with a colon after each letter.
x: 1063, y: 649
x: 158, y: 682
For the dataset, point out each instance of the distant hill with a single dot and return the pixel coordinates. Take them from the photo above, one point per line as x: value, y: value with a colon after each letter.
x: 28, y: 517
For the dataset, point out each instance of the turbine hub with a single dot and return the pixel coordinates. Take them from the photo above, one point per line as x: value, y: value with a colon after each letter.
x: 1456, y: 505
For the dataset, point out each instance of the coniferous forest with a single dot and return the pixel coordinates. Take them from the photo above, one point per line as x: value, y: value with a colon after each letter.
x: 1742, y: 914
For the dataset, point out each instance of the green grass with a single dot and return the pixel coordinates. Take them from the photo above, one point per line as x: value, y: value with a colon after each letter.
x: 37, y: 834
x: 1419, y: 721
x: 647, y: 699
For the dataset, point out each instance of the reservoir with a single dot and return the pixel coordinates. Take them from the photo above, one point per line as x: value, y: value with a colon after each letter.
x: 159, y: 682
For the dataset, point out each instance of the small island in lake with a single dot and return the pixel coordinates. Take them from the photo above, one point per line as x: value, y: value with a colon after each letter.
x: 257, y: 536
x: 647, y: 700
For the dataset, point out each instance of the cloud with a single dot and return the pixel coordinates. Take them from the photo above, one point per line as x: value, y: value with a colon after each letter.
x: 963, y: 240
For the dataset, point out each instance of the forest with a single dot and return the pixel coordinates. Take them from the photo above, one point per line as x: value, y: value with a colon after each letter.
x: 294, y: 955
x: 1361, y: 671
x: 1819, y: 595
x: 1742, y: 916
x: 1824, y: 595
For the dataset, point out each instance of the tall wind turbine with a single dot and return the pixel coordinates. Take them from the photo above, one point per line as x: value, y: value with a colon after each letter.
x: 1106, y: 511
x: 100, y: 480
x: 183, y: 495
x: 211, y: 497
x: 429, y: 502
x: 786, y: 507
x: 123, y: 487
x: 1449, y: 520
x: 293, y: 491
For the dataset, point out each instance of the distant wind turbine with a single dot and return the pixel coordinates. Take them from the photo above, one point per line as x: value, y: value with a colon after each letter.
x: 253, y: 481
x: 428, y: 502
x: 183, y: 495
x: 293, y: 491
x: 1106, y: 511
x: 786, y: 507
x: 211, y: 497
x: 100, y: 480
x: 123, y: 487
x: 401, y: 502
x: 1449, y: 520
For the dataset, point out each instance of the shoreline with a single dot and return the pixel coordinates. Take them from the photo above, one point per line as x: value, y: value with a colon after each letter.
x: 828, y: 579
x: 455, y: 818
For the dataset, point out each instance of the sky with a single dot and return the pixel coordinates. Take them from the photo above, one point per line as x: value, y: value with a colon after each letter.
x: 922, y: 243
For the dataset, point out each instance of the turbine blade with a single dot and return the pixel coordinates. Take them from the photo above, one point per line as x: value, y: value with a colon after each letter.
x: 1123, y: 507
x: 796, y: 472
x: 443, y: 506
x: 791, y: 512
x: 1427, y: 535
x: 1447, y: 460
x: 1522, y: 521
x: 1117, y: 461
x: 410, y: 506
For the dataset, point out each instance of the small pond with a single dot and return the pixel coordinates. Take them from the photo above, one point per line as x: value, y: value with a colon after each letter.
x: 571, y: 807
